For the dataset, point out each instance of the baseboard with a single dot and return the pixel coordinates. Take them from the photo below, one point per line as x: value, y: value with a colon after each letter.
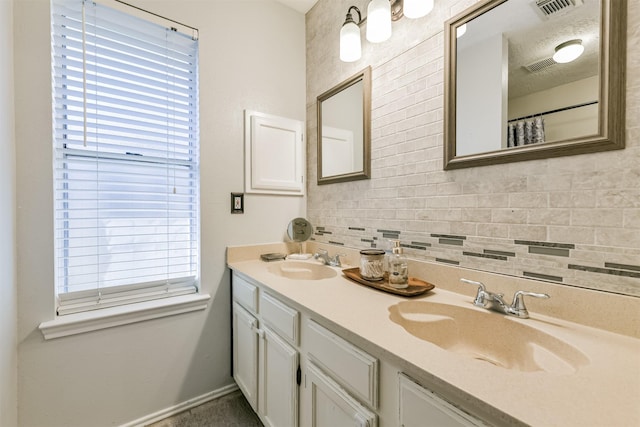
x: 181, y: 407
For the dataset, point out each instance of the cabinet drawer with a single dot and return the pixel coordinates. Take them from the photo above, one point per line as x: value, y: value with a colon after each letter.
x: 280, y: 317
x: 346, y: 363
x: 244, y: 293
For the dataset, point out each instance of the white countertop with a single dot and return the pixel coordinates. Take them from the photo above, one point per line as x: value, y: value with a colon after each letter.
x: 604, y: 392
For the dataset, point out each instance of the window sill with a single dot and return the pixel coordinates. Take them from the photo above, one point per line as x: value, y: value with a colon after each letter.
x: 95, y: 320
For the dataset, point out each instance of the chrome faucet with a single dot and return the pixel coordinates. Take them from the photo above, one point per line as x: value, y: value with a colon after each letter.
x: 323, y: 255
x: 495, y: 302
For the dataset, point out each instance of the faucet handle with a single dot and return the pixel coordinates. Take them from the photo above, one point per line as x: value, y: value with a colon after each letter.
x: 336, y: 260
x: 517, y: 306
x: 482, y: 292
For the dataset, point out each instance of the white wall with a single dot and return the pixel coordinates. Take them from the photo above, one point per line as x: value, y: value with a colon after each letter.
x: 565, y: 124
x: 252, y: 56
x: 481, y: 76
x: 8, y: 289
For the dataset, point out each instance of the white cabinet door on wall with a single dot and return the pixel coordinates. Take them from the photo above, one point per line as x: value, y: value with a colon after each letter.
x: 245, y: 353
x: 420, y: 407
x: 330, y: 405
x: 274, y: 154
x: 278, y: 371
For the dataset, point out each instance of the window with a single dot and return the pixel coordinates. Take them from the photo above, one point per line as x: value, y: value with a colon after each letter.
x: 125, y: 158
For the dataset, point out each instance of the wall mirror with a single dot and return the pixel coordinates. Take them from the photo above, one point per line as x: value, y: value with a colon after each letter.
x: 508, y: 99
x: 344, y: 127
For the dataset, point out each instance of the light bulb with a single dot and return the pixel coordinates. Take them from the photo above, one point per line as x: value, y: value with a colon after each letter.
x: 350, y: 47
x: 378, y: 21
x: 417, y: 8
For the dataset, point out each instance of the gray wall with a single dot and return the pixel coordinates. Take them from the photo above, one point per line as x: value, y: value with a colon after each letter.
x: 251, y: 57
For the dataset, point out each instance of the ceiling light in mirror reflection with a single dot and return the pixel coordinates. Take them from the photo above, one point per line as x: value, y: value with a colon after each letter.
x: 568, y: 51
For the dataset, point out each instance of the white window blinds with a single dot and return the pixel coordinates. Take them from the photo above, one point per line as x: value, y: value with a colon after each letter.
x: 126, y: 158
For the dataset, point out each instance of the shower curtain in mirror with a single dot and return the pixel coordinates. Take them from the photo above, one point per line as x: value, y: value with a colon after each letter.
x: 525, y: 132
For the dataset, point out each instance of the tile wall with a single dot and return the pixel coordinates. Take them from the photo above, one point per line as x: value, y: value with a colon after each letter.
x: 571, y: 220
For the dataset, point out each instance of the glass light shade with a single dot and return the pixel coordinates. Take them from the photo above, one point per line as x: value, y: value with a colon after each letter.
x: 461, y: 30
x: 350, y: 47
x: 417, y: 8
x: 568, y: 51
x: 378, y: 21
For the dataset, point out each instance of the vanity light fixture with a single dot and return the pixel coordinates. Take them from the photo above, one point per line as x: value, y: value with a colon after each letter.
x: 350, y: 47
x: 417, y: 8
x: 568, y: 51
x: 380, y: 14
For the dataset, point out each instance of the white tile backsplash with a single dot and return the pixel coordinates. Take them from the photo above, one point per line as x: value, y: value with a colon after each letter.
x: 591, y: 202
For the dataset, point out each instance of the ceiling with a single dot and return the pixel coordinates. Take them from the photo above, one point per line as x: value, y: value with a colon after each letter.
x: 533, y: 38
x: 302, y: 6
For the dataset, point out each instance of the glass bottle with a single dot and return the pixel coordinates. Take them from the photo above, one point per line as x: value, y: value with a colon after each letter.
x: 398, y: 268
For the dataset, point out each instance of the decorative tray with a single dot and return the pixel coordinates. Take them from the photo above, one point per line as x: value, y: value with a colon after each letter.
x: 416, y: 286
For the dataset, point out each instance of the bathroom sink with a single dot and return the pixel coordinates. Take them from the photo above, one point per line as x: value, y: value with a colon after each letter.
x: 487, y: 336
x: 300, y: 270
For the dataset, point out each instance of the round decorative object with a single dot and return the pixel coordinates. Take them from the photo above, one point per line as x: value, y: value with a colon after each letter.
x: 299, y: 230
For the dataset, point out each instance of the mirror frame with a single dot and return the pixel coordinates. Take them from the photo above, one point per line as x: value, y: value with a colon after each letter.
x: 365, y: 173
x: 611, y: 114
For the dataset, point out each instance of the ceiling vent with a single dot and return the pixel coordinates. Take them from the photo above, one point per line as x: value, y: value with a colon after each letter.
x: 540, y: 65
x: 550, y: 8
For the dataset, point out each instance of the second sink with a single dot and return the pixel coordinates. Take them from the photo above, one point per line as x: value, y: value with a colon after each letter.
x: 497, y: 339
x: 301, y: 270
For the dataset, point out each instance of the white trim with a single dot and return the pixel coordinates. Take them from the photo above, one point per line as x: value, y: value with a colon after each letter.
x: 181, y: 407
x: 94, y: 320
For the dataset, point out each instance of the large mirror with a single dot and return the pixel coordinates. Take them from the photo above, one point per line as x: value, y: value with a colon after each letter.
x: 344, y: 126
x: 507, y: 98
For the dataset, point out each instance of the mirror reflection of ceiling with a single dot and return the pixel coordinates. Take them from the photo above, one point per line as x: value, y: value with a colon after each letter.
x: 533, y: 37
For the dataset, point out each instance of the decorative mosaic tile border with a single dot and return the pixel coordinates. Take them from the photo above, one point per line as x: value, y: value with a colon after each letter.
x: 586, y: 266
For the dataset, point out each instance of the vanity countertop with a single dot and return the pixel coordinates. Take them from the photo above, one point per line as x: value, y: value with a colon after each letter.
x: 603, y: 392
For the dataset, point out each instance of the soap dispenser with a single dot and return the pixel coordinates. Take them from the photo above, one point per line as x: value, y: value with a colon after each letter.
x: 398, y: 268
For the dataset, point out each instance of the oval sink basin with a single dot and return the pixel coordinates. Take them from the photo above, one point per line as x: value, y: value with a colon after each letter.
x: 487, y: 336
x: 302, y: 270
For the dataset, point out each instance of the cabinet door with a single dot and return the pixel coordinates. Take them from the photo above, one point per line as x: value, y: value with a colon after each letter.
x: 274, y: 154
x: 245, y: 353
x: 278, y: 381
x: 329, y: 405
x: 420, y: 407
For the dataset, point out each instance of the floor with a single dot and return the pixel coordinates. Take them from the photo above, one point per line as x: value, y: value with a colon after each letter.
x: 231, y: 410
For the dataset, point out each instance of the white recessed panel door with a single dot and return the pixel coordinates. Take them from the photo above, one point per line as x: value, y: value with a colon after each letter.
x: 337, y: 151
x: 275, y: 156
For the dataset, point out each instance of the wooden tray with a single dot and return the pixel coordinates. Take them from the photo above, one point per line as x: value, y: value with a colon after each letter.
x: 416, y: 286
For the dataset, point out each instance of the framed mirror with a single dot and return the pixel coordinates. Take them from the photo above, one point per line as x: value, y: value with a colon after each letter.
x: 344, y: 130
x: 508, y: 99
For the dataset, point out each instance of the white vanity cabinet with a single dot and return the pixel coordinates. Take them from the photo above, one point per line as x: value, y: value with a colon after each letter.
x: 340, y: 384
x: 245, y: 353
x: 265, y: 363
x: 420, y: 407
x: 278, y: 387
x: 340, y: 380
x: 331, y: 405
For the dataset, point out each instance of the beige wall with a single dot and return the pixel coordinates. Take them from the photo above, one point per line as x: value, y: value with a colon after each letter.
x: 499, y: 218
x: 251, y: 57
x: 8, y: 284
